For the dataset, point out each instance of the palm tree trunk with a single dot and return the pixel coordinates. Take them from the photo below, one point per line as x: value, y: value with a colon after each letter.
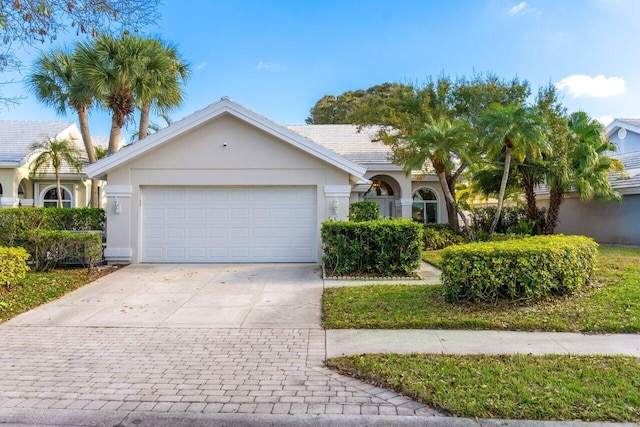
x: 114, y: 135
x: 83, y: 119
x: 59, y: 188
x: 555, y: 200
x: 143, y: 129
x: 503, y: 190
x: 530, y: 196
x: 447, y: 194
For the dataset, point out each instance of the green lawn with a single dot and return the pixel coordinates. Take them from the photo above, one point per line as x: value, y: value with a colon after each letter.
x: 39, y: 288
x: 611, y: 303
x: 589, y: 388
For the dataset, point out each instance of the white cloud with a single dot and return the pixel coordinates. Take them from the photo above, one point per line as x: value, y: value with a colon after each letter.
x: 201, y: 65
x: 270, y: 66
x: 583, y: 86
x: 605, y: 120
x: 520, y: 7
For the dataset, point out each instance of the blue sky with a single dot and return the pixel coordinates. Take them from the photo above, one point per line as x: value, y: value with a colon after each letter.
x: 279, y: 57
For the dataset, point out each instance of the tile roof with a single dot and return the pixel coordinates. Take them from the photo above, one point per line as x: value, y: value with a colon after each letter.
x: 346, y: 140
x: 634, y: 122
x: 17, y: 136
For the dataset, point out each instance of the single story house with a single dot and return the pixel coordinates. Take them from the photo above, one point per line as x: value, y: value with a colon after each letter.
x: 227, y: 184
x: 610, y: 222
x: 17, y: 188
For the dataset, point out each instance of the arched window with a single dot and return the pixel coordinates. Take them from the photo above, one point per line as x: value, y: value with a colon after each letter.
x: 379, y: 188
x: 20, y: 191
x: 50, y: 198
x: 425, y: 206
x: 1, y: 192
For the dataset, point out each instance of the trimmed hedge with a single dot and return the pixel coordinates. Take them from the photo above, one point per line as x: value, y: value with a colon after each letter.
x: 439, y: 236
x: 13, y: 265
x: 364, y: 211
x: 384, y: 247
x: 16, y: 222
x: 530, y: 268
x: 52, y: 247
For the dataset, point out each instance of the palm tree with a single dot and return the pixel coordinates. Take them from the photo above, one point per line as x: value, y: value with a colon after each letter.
x: 54, y: 153
x: 55, y: 82
x: 110, y: 67
x: 159, y: 84
x: 581, y: 165
x: 515, y: 130
x: 439, y: 142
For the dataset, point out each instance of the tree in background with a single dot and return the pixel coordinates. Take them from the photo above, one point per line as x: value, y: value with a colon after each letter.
x: 54, y: 153
x: 55, y: 82
x: 33, y: 22
x: 580, y: 164
x: 159, y: 83
x: 517, y: 130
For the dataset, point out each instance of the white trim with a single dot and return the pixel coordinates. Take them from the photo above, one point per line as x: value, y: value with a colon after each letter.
x: 337, y: 190
x: 437, y: 201
x: 215, y: 110
x: 118, y: 190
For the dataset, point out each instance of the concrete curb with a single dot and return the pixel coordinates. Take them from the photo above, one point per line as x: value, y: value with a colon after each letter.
x: 73, y: 418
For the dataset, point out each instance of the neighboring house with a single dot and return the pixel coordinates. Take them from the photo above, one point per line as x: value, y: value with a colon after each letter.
x: 226, y: 184
x: 17, y: 188
x: 610, y: 222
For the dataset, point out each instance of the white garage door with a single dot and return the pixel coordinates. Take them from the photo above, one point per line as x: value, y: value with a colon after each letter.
x: 229, y: 224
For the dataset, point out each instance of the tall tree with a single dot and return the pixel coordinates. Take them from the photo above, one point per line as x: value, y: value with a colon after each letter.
x: 439, y: 142
x: 111, y: 66
x: 581, y: 165
x: 159, y: 83
x: 55, y: 82
x: 516, y: 130
x: 54, y: 153
x: 25, y: 23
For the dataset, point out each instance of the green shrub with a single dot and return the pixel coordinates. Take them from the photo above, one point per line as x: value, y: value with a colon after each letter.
x: 530, y: 268
x: 16, y: 222
x: 513, y: 220
x: 385, y: 247
x: 439, y: 236
x: 13, y: 265
x: 51, y: 247
x: 364, y: 211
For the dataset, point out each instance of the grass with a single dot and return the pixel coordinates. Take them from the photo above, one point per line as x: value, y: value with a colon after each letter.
x: 589, y: 388
x: 611, y: 303
x: 38, y: 288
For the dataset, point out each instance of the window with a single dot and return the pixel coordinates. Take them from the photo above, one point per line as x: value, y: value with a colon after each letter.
x: 50, y: 199
x: 20, y: 191
x: 425, y: 206
x: 379, y: 188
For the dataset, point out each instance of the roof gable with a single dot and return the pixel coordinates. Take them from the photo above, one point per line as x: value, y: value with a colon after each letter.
x: 213, y: 111
x: 632, y: 125
x: 16, y: 137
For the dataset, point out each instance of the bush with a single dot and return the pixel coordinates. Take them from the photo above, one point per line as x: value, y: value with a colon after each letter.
x: 530, y: 268
x: 13, y: 265
x: 364, y: 211
x: 385, y: 247
x: 439, y: 236
x: 16, y: 222
x: 51, y: 247
x: 513, y: 220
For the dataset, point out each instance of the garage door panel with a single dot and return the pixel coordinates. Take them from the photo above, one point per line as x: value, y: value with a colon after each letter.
x: 229, y: 224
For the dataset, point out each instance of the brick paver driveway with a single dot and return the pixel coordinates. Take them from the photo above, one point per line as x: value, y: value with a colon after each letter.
x: 176, y: 338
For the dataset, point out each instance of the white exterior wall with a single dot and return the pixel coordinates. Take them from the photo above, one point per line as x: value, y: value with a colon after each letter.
x: 200, y: 157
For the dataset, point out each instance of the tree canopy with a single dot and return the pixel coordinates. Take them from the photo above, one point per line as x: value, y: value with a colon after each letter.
x: 25, y: 23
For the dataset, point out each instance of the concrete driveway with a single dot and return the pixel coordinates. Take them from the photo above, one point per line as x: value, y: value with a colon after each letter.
x: 150, y: 341
x: 200, y: 295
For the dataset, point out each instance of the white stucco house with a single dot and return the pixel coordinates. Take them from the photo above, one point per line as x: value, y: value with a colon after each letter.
x: 227, y: 184
x: 17, y: 188
x: 610, y: 222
